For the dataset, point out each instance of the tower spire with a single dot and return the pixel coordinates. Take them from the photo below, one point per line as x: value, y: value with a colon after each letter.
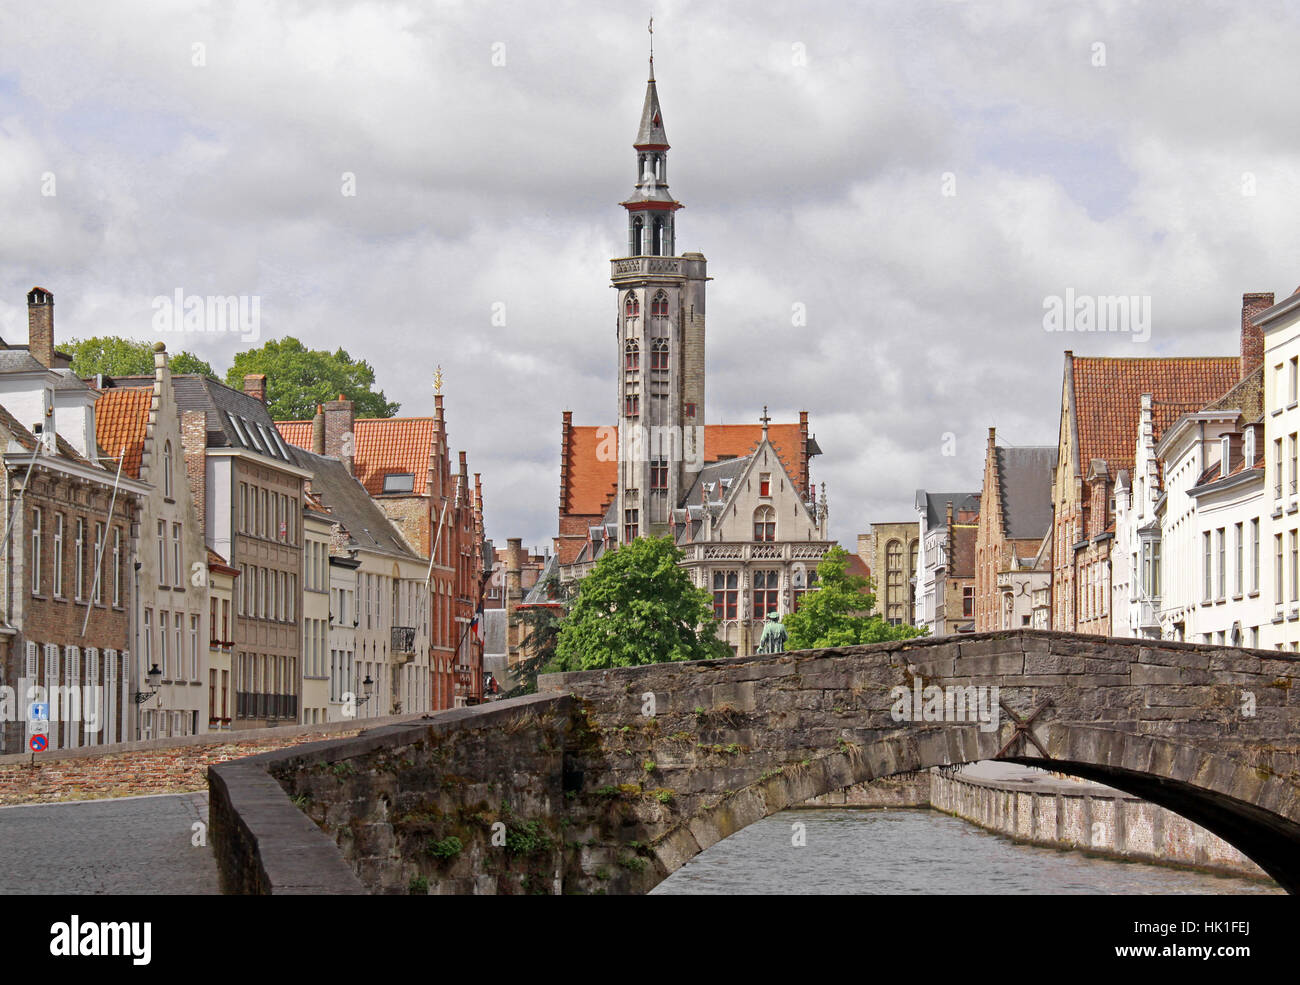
x: 652, y: 49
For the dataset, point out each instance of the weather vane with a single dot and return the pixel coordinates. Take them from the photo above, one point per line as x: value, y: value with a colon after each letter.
x: 437, y: 380
x: 652, y: 38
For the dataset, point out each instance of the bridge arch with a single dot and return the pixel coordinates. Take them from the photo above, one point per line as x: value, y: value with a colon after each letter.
x: 1201, y: 786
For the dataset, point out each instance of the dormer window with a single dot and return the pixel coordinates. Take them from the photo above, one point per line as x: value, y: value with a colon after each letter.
x: 1248, y: 446
x: 1225, y: 452
x: 399, y: 482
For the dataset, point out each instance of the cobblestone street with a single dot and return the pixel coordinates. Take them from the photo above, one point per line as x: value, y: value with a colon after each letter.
x: 134, y: 845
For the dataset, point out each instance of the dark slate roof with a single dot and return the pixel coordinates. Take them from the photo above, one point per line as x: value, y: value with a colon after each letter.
x: 351, y: 506
x: 936, y: 505
x: 718, y: 476
x: 538, y: 592
x: 19, y: 361
x: 235, y: 420
x: 1025, y: 476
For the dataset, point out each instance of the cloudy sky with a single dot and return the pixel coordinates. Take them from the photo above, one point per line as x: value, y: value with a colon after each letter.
x: 918, y: 176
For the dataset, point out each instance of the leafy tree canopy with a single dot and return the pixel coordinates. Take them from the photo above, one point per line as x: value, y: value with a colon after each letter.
x: 837, y: 613
x: 637, y: 606
x: 116, y: 356
x: 299, y: 378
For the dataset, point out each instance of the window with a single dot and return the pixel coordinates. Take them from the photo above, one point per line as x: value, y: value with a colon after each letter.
x: 1295, y: 567
x: 659, y: 307
x: 631, y: 356
x: 148, y: 639
x: 631, y: 305
x: 1277, y: 569
x: 1239, y: 556
x: 117, y: 565
x: 1207, y: 567
x: 765, y: 592
x: 632, y: 401
x: 97, y: 579
x: 1248, y: 446
x: 58, y: 554
x: 163, y: 628
x: 690, y: 410
x: 179, y: 651
x: 659, y: 356
x: 765, y: 524
x: 725, y: 590
x: 36, y: 551
x: 765, y: 484
x: 658, y: 474
x: 631, y: 525
x: 1291, y: 379
x: 968, y: 601
x: 194, y: 648
x: 243, y: 507
x: 79, y: 559
x: 399, y: 482
x: 167, y: 470
x: 1225, y: 454
x: 1254, y: 555
x: 176, y: 555
x: 1292, y: 472
x: 162, y: 554
x: 1277, y: 469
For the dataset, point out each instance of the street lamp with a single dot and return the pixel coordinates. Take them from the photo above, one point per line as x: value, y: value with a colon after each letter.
x: 367, y: 690
x: 154, y: 680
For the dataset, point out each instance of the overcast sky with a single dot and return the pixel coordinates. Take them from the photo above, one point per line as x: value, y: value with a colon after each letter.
x: 1115, y: 149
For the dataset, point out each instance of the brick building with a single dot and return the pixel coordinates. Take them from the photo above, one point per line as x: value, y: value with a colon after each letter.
x: 1015, y: 516
x: 66, y: 602
x: 143, y: 423
x: 1100, y: 400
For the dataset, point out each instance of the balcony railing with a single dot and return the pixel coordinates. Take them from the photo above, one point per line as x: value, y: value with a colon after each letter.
x: 404, y: 640
x: 785, y: 551
x: 644, y: 266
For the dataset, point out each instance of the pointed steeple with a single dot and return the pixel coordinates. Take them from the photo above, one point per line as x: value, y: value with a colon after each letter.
x: 650, y: 134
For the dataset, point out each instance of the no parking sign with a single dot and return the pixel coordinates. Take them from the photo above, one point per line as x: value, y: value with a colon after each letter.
x: 38, y: 743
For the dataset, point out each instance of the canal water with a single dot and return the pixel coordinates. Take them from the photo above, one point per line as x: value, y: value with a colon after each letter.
x: 897, y: 852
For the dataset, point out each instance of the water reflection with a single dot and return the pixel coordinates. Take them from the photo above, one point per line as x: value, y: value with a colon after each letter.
x: 917, y: 852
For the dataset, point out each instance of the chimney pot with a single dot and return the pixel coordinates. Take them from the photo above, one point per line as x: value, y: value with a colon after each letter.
x: 255, y: 386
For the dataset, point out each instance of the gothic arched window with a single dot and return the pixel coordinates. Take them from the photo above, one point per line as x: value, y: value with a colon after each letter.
x: 659, y: 306
x: 659, y: 356
x: 631, y: 305
x: 631, y: 356
x: 765, y: 523
x: 638, y: 235
x: 167, y: 470
x: 657, y: 249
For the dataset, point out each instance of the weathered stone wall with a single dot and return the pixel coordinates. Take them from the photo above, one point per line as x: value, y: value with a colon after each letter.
x: 1061, y: 814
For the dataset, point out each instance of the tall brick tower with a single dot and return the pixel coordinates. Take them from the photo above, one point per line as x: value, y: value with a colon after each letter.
x: 660, y: 353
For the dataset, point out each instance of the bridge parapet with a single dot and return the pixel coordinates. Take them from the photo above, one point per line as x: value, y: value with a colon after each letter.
x: 609, y: 780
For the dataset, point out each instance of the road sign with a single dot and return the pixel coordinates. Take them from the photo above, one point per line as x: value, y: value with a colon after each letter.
x: 38, y: 728
x: 40, y: 712
x: 38, y: 743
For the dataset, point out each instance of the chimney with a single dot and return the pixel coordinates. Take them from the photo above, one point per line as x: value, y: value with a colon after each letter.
x: 255, y: 386
x: 566, y: 431
x: 514, y: 594
x: 194, y: 443
x: 40, y: 326
x: 340, y: 441
x: 1252, y: 336
x: 318, y: 431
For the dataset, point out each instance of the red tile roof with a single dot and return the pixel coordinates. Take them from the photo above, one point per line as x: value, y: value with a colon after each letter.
x: 383, y: 445
x: 592, y: 483
x: 1108, y: 391
x: 121, y: 419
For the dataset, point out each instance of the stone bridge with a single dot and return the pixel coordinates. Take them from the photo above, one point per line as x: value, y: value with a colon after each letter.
x: 608, y: 781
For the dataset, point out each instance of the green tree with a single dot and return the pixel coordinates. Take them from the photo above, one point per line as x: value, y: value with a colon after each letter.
x: 637, y: 606
x: 838, y: 612
x: 113, y: 355
x: 298, y: 378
